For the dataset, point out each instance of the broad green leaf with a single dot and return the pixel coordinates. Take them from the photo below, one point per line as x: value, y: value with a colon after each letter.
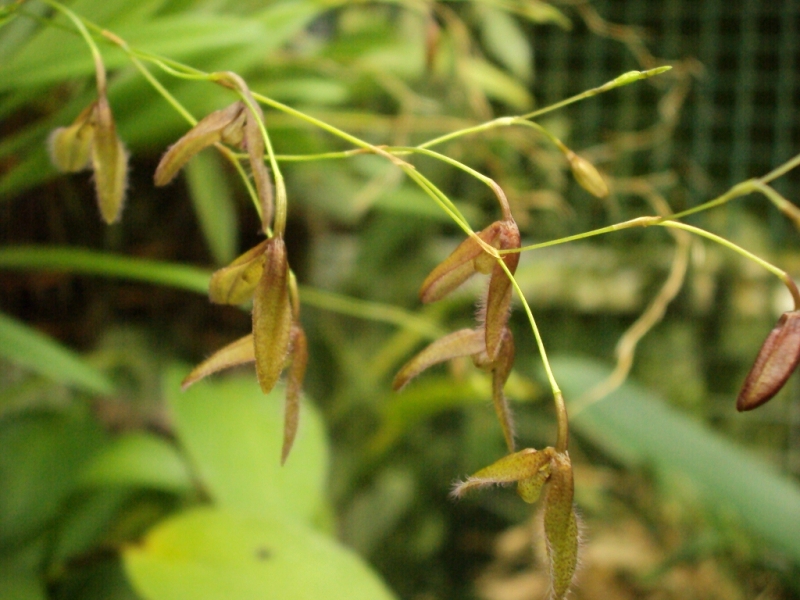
x: 638, y: 428
x: 139, y: 460
x: 506, y: 42
x: 214, y: 206
x: 35, y: 351
x: 233, y: 435
x: 213, y: 554
x: 42, y: 454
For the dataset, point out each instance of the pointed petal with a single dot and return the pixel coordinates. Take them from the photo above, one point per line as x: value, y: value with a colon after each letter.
x: 498, y: 299
x: 561, y: 526
x: 464, y: 342
x: 500, y: 373
x: 458, y: 267
x: 272, y: 315
x: 236, y: 353
x: 254, y: 142
x: 220, y: 125
x: 110, y: 163
x: 776, y: 361
x: 235, y: 283
x: 521, y: 466
x: 294, y: 385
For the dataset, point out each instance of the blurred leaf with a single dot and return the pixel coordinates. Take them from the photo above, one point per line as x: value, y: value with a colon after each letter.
x: 214, y: 206
x: 139, y: 460
x: 505, y: 41
x: 544, y: 12
x: 211, y: 554
x: 233, y: 434
x: 41, y: 457
x: 86, y: 522
x: 496, y: 84
x: 638, y: 428
x: 313, y: 91
x: 15, y: 585
x: 423, y: 399
x: 35, y: 351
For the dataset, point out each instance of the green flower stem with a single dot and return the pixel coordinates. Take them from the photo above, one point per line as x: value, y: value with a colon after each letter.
x: 562, y: 440
x: 623, y: 79
x: 196, y: 280
x: 79, y: 25
x: 780, y: 274
x: 498, y: 191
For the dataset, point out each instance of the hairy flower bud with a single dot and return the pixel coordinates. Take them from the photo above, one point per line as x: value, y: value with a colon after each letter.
x: 110, y: 163
x: 70, y: 147
x: 459, y: 266
x: 777, y: 359
x: 272, y: 315
x: 498, y: 298
x: 587, y: 176
x: 224, y: 125
x: 561, y: 526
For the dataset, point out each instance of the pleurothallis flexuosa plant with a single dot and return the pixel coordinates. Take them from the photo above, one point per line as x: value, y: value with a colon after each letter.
x: 278, y: 346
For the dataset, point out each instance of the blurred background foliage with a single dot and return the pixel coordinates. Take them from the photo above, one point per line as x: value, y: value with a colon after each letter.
x: 113, y: 484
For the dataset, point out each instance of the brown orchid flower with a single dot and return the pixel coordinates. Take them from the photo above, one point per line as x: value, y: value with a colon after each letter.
x: 532, y: 471
x: 278, y: 342
x: 775, y: 363
x: 470, y: 342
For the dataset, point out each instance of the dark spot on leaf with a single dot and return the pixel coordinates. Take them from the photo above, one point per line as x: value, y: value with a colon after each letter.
x: 262, y: 553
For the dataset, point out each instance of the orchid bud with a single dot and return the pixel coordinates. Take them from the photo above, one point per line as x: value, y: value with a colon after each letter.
x: 465, y: 342
x: 459, y: 266
x: 240, y: 352
x: 224, y: 125
x: 70, y: 147
x: 524, y: 466
x: 272, y: 315
x: 254, y: 143
x: 236, y: 283
x: 298, y: 359
x: 561, y: 526
x: 774, y: 364
x: 498, y: 298
x: 110, y: 163
x: 587, y: 176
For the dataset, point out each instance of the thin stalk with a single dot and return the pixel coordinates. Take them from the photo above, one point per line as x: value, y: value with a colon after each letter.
x: 779, y: 273
x: 562, y: 441
x: 79, y: 25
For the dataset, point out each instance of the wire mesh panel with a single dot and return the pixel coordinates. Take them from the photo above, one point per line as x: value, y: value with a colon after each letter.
x: 741, y: 116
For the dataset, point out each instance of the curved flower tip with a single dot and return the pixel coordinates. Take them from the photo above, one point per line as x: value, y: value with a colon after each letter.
x: 240, y: 352
x: 776, y: 361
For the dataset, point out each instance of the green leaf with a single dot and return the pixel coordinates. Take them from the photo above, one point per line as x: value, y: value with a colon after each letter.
x: 233, y: 435
x: 41, y: 456
x: 638, y: 428
x: 139, y: 460
x: 28, y: 348
x: 506, y: 42
x: 212, y: 554
x: 214, y: 206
